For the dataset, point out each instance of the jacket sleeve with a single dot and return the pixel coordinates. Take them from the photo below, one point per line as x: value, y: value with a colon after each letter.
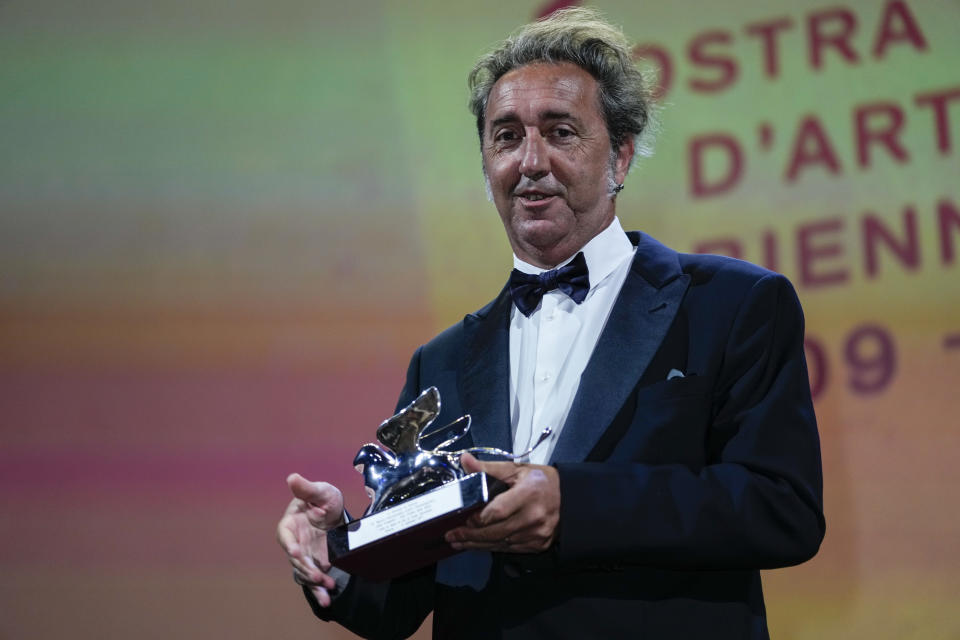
x: 755, y: 502
x: 381, y: 610
x: 384, y: 610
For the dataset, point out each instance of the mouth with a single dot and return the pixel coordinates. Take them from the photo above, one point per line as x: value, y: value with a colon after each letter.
x: 533, y: 198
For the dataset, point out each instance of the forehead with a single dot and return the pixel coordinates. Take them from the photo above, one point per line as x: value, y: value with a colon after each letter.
x: 530, y: 92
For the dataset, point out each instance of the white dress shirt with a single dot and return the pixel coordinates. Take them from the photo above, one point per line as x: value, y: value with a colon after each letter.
x: 550, y: 349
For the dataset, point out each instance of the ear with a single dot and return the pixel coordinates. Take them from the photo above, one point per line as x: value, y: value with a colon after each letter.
x: 624, y: 157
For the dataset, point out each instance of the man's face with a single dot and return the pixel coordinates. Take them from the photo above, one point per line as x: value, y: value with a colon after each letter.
x: 546, y: 154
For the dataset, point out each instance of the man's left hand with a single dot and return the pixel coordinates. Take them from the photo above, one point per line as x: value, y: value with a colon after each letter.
x: 522, y: 519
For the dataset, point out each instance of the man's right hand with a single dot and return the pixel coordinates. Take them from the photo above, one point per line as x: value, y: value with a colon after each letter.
x: 316, y: 508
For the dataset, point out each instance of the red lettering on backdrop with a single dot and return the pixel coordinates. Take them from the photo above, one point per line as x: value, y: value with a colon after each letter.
x: 818, y: 37
x: 822, y: 153
x: 887, y: 135
x: 767, y: 32
x: 810, y: 251
x: 906, y: 250
x: 765, y: 136
x: 664, y: 65
x: 948, y: 215
x: 699, y: 57
x: 700, y: 187
x: 872, y: 358
x: 549, y: 7
x: 724, y: 246
x: 897, y: 25
x: 941, y: 117
x: 829, y: 32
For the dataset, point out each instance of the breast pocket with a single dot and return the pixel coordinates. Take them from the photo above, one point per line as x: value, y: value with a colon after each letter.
x: 686, y: 387
x: 669, y: 423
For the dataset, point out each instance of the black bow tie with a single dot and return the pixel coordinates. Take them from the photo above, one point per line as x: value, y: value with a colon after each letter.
x: 527, y: 289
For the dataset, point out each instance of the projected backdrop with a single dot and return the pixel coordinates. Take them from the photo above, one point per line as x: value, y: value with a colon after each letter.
x: 224, y: 227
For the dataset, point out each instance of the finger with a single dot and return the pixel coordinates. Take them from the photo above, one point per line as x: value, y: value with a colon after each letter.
x: 307, y: 573
x: 495, y: 526
x: 320, y: 501
x: 536, y: 492
x: 502, y: 508
x: 525, y: 513
x: 470, y: 464
x: 302, y: 564
x: 507, y: 546
x: 321, y: 518
x: 493, y: 534
x: 525, y: 540
x: 524, y: 493
x: 305, y: 581
x: 306, y: 570
x: 502, y: 546
x: 319, y: 574
x: 311, y: 568
x: 517, y: 528
x: 286, y: 536
x: 289, y: 536
x: 319, y: 557
x: 322, y: 596
x: 505, y: 471
x: 320, y: 591
x: 509, y: 502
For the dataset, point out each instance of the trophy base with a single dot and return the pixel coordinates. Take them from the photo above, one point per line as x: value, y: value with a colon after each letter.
x: 409, y: 535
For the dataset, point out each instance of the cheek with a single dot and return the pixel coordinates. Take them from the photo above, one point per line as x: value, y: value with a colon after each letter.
x: 502, y: 178
x: 582, y: 185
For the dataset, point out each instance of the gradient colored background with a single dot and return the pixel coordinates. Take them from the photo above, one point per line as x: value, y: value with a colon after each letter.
x: 225, y: 226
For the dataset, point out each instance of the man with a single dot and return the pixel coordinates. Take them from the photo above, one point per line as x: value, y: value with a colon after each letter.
x: 685, y: 454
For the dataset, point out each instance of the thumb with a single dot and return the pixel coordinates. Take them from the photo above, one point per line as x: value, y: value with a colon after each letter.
x: 320, y: 494
x: 505, y: 471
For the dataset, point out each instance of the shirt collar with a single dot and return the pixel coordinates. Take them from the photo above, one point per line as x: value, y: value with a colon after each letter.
x: 603, y: 253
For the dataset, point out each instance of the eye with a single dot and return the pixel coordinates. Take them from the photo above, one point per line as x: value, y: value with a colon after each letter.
x: 505, y: 136
x: 562, y: 133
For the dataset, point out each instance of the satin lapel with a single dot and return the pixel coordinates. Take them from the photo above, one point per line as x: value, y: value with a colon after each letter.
x: 637, y: 325
x: 485, y: 374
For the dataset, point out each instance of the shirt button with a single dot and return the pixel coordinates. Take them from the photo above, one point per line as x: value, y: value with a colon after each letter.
x: 545, y: 376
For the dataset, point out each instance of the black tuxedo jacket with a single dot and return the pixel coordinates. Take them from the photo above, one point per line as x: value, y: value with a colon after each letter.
x: 674, y: 492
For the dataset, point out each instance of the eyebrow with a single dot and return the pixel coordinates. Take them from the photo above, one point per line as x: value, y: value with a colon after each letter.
x: 544, y: 115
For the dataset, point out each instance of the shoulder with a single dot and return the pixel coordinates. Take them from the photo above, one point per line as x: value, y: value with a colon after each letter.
x: 724, y: 271
x: 718, y: 285
x: 452, y: 341
x: 731, y: 291
x: 659, y: 264
x: 448, y: 340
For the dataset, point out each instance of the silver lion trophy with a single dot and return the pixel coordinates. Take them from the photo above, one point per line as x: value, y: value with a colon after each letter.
x: 416, y: 493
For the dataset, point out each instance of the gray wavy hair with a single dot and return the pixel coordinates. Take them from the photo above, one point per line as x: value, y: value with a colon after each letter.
x: 583, y: 37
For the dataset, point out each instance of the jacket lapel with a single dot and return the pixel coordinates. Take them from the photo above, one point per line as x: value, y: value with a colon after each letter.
x: 484, y: 382
x: 638, y: 323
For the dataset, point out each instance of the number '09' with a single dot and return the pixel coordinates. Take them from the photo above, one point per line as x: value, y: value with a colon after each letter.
x: 869, y: 354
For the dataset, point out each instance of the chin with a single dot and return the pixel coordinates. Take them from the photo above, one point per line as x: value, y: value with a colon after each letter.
x: 541, y: 239
x: 543, y: 226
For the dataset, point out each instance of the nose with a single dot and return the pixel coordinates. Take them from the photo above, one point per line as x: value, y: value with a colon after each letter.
x: 535, y: 161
